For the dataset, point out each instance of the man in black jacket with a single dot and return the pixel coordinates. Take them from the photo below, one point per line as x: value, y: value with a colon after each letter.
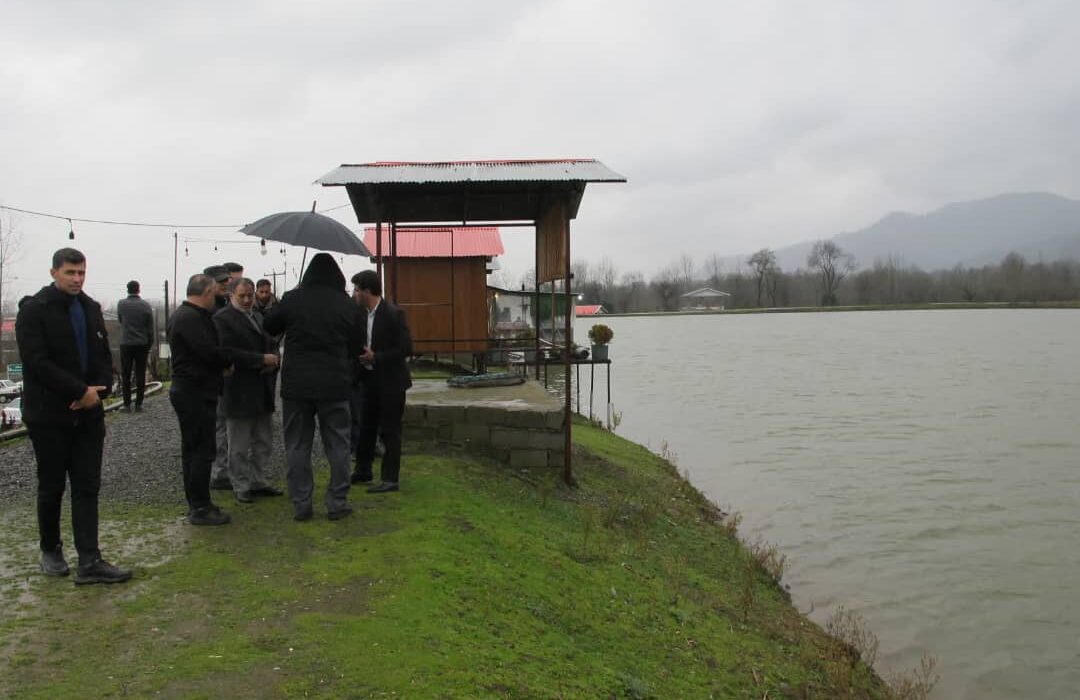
x: 198, y: 366
x: 322, y: 333
x: 248, y: 399
x: 67, y: 369
x: 387, y: 342
x: 137, y: 322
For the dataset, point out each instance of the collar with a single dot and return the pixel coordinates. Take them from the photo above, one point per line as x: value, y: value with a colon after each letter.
x: 371, y: 312
x: 204, y: 312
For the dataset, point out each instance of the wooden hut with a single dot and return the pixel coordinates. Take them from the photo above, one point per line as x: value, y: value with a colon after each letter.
x: 441, y: 282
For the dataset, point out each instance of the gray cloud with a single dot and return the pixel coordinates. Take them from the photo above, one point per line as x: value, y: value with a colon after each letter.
x: 740, y: 125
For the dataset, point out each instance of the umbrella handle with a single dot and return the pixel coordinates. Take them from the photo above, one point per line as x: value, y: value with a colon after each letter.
x: 303, y: 261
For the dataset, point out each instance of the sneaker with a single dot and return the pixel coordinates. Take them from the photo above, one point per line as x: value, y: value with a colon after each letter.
x: 53, y: 563
x: 100, y: 571
x: 209, y: 515
x: 342, y: 512
x: 222, y: 484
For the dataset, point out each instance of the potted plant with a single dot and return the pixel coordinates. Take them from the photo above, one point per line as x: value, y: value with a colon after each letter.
x: 600, y: 335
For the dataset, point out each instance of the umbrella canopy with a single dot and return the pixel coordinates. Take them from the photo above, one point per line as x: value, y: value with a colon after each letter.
x: 308, y: 229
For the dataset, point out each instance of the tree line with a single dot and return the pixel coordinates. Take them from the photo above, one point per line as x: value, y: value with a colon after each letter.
x: 831, y: 277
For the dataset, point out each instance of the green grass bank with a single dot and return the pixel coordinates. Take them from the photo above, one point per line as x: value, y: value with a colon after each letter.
x: 475, y: 582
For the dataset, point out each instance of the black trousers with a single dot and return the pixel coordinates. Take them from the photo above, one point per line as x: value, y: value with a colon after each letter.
x: 198, y: 447
x: 133, y: 357
x: 383, y: 410
x: 63, y: 453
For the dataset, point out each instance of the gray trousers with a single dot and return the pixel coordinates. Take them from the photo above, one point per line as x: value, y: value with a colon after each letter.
x: 220, y: 468
x: 250, y: 442
x: 298, y: 417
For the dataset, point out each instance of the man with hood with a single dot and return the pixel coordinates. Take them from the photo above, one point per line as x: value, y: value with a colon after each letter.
x: 67, y: 369
x: 323, y: 332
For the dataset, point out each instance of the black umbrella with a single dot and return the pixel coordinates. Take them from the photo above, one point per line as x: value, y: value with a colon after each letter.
x: 308, y: 229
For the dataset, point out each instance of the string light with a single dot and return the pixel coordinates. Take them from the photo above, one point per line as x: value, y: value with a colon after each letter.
x: 71, y: 232
x: 262, y: 247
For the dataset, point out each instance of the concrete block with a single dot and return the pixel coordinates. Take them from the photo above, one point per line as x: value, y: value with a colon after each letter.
x: 444, y: 432
x: 484, y: 415
x: 528, y: 458
x: 511, y: 437
x: 554, y: 419
x: 418, y: 433
x: 556, y: 458
x: 473, y: 434
x: 413, y: 414
x: 524, y: 419
x: 444, y: 414
x: 547, y: 440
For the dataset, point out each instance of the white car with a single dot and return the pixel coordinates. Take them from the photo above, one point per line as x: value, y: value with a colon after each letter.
x: 11, y: 415
x: 9, y: 390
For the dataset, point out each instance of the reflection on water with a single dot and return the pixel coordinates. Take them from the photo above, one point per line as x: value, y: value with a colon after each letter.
x: 921, y: 467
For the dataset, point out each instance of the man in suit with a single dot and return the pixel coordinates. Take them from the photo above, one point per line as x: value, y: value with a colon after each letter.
x: 387, y: 343
x: 137, y: 322
x: 219, y: 470
x: 323, y: 332
x: 67, y: 369
x: 248, y: 398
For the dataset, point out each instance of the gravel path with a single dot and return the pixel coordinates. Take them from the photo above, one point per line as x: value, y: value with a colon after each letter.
x: 142, y: 459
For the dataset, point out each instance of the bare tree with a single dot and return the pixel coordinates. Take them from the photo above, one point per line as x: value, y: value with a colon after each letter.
x: 686, y: 268
x: 714, y: 269
x: 10, y: 242
x: 832, y: 265
x: 763, y: 266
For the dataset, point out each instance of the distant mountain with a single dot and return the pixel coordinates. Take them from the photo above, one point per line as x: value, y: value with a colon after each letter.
x: 1036, y: 225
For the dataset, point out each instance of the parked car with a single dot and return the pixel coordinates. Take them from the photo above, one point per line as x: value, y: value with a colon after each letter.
x: 9, y: 390
x: 11, y: 414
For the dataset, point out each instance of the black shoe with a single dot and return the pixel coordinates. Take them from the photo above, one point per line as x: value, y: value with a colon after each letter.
x: 221, y: 485
x: 138, y: 409
x: 100, y: 571
x: 53, y: 564
x: 245, y: 497
x: 209, y: 515
x: 267, y: 491
x: 384, y: 487
x: 359, y: 477
x: 344, y: 511
x: 302, y: 515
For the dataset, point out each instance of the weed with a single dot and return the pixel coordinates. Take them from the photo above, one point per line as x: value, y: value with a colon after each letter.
x: 768, y: 558
x: 730, y: 525
x: 849, y: 629
x: 667, y: 454
x: 917, y: 683
x: 635, y: 688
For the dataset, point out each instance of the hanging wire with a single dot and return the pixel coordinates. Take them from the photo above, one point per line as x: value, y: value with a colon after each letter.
x: 147, y: 224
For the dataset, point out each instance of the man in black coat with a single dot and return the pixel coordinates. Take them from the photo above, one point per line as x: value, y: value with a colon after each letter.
x: 387, y: 343
x: 198, y: 364
x: 248, y: 399
x: 67, y: 369
x: 322, y: 333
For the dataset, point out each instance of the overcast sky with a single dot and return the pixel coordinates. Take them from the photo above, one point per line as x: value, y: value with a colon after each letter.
x: 738, y: 125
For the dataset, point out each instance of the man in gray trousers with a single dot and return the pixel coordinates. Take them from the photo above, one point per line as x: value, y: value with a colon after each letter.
x: 248, y: 397
x: 323, y: 331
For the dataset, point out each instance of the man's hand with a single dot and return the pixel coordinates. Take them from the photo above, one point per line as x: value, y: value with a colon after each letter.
x: 368, y: 356
x: 228, y: 371
x: 271, y: 361
x: 89, y: 399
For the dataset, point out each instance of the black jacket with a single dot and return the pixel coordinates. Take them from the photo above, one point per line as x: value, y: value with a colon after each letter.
x: 249, y: 392
x: 197, y: 357
x: 52, y: 375
x: 393, y: 344
x: 137, y: 319
x: 322, y: 328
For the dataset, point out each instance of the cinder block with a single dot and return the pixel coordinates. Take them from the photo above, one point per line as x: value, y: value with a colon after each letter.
x: 413, y: 414
x: 523, y: 419
x: 528, y: 458
x: 554, y: 419
x: 474, y: 434
x: 511, y: 437
x: 547, y: 440
x: 444, y: 414
x: 483, y: 415
x: 444, y: 432
x: 556, y: 458
x: 418, y: 433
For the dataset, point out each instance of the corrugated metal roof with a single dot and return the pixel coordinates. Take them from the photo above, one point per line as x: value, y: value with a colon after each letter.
x: 588, y: 309
x: 393, y: 172
x: 706, y: 292
x: 435, y: 241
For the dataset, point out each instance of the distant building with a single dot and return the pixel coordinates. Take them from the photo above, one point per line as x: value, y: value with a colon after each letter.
x: 703, y: 299
x: 589, y: 310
